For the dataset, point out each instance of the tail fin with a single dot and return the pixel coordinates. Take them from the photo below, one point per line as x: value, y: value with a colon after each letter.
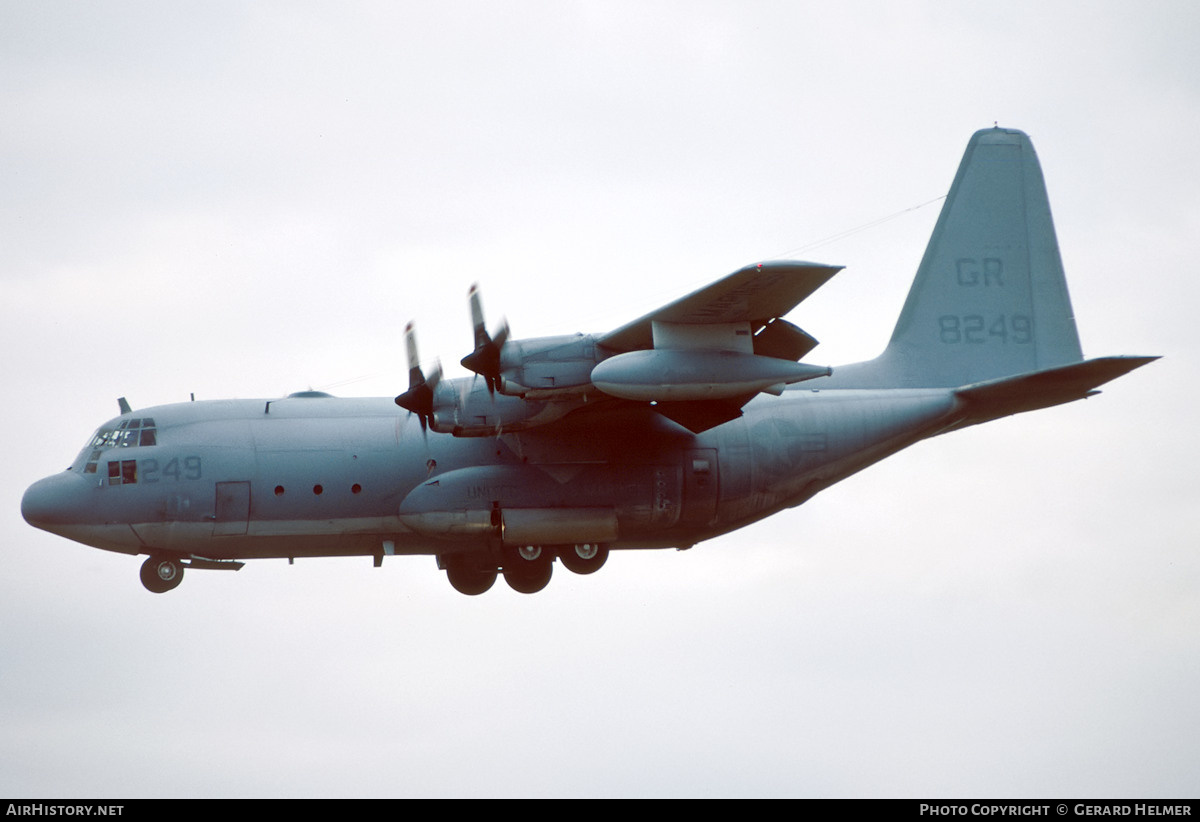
x: 990, y: 298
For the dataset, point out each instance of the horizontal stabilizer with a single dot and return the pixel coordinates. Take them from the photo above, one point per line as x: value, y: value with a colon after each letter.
x: 993, y: 399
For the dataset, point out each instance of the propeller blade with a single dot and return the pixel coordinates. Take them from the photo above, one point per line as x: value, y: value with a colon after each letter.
x: 418, y: 399
x: 415, y: 377
x: 481, y: 335
x: 485, y: 359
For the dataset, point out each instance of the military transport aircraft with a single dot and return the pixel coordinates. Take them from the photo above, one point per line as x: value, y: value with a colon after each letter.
x: 693, y: 421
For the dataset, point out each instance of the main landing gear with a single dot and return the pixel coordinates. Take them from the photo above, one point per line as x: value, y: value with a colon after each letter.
x: 527, y: 568
x: 583, y: 559
x: 467, y: 577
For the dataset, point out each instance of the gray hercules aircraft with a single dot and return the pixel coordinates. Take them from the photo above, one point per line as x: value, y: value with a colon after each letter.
x: 691, y: 422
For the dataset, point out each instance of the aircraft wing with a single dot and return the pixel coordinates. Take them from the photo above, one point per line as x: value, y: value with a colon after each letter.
x: 756, y: 294
x: 696, y: 361
x: 699, y: 359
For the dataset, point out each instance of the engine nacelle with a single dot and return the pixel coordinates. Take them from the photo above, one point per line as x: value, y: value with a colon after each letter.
x: 548, y: 366
x: 465, y: 408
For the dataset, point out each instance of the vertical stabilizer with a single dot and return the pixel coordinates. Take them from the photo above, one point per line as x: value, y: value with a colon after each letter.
x: 990, y: 298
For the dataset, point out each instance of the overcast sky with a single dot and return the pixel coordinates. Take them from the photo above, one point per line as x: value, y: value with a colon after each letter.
x: 246, y: 199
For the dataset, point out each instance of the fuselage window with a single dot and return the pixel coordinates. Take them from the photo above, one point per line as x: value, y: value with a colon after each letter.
x: 122, y: 472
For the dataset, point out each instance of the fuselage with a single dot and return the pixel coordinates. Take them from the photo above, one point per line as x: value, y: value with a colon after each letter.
x: 313, y: 475
x: 651, y: 435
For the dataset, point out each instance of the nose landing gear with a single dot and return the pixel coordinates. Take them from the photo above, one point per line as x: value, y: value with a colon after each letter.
x: 161, y: 574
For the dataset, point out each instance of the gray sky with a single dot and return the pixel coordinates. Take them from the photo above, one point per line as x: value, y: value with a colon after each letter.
x: 246, y: 199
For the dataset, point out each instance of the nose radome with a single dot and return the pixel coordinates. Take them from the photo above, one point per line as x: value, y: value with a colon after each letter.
x: 53, y: 500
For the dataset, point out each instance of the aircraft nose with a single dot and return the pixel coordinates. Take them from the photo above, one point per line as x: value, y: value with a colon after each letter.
x: 53, y: 500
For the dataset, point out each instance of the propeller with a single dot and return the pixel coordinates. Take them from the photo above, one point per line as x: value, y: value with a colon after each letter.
x: 418, y: 399
x: 485, y: 359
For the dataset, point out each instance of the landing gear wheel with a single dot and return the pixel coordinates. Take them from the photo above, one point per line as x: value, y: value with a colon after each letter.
x: 585, y: 558
x: 527, y: 569
x: 161, y: 574
x: 466, y: 577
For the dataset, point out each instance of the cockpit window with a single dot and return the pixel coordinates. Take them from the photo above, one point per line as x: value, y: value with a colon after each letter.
x: 130, y: 433
x: 122, y: 472
x: 127, y: 435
